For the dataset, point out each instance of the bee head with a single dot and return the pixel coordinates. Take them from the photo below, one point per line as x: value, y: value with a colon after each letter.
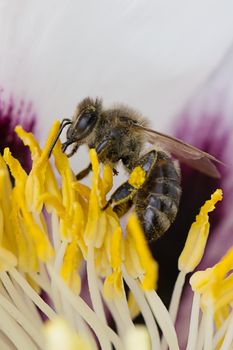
x: 83, y: 122
x: 81, y: 125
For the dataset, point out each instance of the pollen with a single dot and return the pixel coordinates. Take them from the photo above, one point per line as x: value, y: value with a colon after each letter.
x: 137, y: 177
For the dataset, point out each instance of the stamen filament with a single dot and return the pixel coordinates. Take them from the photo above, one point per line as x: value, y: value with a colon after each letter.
x: 176, y: 295
x: 4, y: 345
x: 145, y: 310
x: 227, y: 342
x: 16, y: 298
x: 67, y: 311
x: 208, y: 317
x: 55, y: 230
x: 163, y: 318
x: 22, y: 320
x: 222, y: 330
x: 117, y: 316
x: 201, y: 333
x: 15, y: 332
x: 56, y: 297
x: 119, y: 320
x: 194, y: 320
x: 93, y: 285
x: 122, y: 307
x: 103, y: 332
x: 175, y: 301
x: 85, y: 331
x: 29, y: 291
x: 60, y: 255
x: 31, y: 307
x: 42, y: 283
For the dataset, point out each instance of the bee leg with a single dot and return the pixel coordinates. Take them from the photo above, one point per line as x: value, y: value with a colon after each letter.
x: 84, y: 172
x: 121, y: 209
x: 73, y: 151
x: 128, y: 189
x: 120, y: 197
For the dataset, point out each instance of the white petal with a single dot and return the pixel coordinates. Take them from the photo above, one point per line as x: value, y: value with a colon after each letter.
x: 149, y: 54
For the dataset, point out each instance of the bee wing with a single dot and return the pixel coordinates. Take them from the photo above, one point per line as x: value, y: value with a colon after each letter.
x: 186, y: 153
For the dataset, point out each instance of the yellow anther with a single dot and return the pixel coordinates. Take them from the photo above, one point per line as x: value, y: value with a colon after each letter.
x: 15, y: 167
x: 149, y: 265
x: 30, y: 141
x: 197, y: 236
x: 52, y: 134
x: 113, y: 285
x: 7, y: 259
x: 116, y: 249
x: 71, y: 264
x: 107, y: 179
x: 215, y: 283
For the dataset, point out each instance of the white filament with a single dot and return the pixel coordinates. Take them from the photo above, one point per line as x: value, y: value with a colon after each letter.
x: 209, y: 328
x: 163, y: 318
x: 103, y: 332
x: 93, y: 285
x: 193, y: 326
x: 175, y: 301
x: 145, y: 310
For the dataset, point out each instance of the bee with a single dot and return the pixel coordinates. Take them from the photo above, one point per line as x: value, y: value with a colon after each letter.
x: 121, y: 134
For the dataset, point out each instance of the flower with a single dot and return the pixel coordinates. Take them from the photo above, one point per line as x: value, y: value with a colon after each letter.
x: 56, y: 224
x: 130, y: 36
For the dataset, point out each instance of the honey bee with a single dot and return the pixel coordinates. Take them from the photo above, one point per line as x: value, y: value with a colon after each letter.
x: 120, y: 134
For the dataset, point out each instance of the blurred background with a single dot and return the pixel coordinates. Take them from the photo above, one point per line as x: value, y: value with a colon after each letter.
x: 173, y: 61
x: 153, y: 55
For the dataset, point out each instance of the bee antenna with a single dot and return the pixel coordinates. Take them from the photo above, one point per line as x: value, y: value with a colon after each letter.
x: 64, y: 123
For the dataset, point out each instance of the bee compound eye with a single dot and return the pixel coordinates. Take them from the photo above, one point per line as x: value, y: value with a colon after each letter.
x: 85, y: 124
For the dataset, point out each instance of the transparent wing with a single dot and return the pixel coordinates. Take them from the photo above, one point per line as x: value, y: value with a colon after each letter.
x: 186, y: 153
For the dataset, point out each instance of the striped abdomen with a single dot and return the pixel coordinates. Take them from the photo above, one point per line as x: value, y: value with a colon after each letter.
x: 157, y: 202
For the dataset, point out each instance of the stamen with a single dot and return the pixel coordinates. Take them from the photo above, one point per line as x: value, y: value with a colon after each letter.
x: 29, y: 291
x: 145, y: 310
x: 194, y: 320
x: 175, y: 301
x: 208, y: 317
x: 176, y: 295
x: 103, y: 332
x: 164, y: 321
x: 222, y: 330
x: 15, y: 332
x: 62, y: 225
x: 227, y: 343
x: 93, y: 285
x: 201, y: 333
x: 19, y: 317
x: 197, y: 236
x: 17, y: 298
